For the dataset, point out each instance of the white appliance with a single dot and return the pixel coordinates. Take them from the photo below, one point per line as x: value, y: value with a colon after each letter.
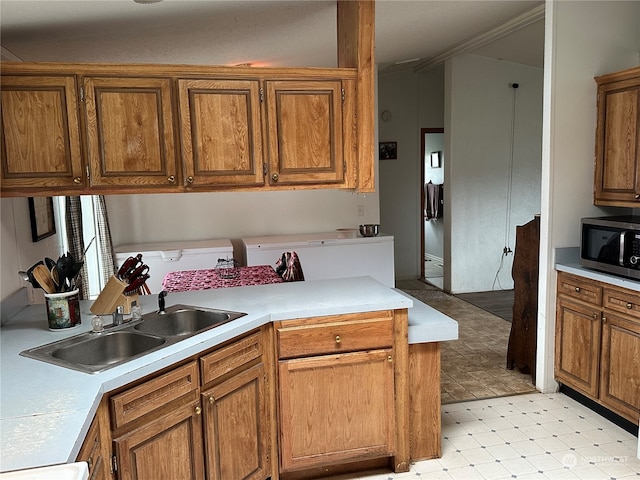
x: 325, y: 256
x: 163, y: 258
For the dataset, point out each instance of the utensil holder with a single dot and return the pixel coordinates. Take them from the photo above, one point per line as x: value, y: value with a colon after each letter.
x: 63, y: 310
x: 111, y: 296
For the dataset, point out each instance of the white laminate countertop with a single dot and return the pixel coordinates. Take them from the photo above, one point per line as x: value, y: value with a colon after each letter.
x: 46, y: 410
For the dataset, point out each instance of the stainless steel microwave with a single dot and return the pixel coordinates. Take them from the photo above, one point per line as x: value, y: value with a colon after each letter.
x: 611, y: 244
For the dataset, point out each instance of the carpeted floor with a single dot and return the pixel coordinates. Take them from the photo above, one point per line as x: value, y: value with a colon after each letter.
x: 474, y: 366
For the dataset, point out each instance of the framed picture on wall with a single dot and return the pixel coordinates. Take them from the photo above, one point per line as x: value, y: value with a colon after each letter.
x: 43, y: 222
x: 388, y: 150
x: 435, y: 159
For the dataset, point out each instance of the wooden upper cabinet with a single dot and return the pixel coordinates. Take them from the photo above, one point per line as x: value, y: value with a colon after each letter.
x: 40, y: 134
x: 130, y: 132
x: 617, y: 166
x: 221, y: 132
x: 304, y: 131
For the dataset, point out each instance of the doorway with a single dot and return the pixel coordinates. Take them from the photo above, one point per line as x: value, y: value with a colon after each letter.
x: 432, y: 208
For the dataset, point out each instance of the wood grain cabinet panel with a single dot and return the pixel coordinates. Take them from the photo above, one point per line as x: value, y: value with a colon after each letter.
x: 40, y: 134
x: 598, y: 345
x: 620, y: 374
x: 167, y: 447
x: 130, y: 134
x: 304, y: 131
x: 336, y: 408
x: 617, y: 166
x: 221, y: 132
x: 578, y: 332
x: 236, y: 428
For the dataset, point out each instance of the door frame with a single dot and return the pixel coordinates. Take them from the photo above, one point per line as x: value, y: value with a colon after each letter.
x: 423, y: 131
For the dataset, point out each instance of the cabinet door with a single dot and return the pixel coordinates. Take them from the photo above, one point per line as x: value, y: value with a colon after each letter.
x: 617, y: 176
x: 130, y: 132
x: 40, y: 134
x: 578, y: 329
x: 221, y: 133
x: 336, y: 408
x: 167, y: 448
x: 93, y: 451
x: 304, y: 131
x: 236, y: 429
x: 620, y: 367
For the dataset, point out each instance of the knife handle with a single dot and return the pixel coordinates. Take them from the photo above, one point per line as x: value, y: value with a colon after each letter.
x: 137, y: 283
x: 126, y: 266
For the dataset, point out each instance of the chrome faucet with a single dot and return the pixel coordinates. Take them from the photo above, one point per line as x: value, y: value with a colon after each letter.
x: 118, y: 315
x: 161, y: 296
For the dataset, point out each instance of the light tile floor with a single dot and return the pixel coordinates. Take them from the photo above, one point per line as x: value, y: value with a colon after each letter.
x: 527, y: 437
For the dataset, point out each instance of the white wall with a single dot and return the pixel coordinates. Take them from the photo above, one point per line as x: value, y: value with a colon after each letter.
x: 201, y: 216
x: 482, y: 220
x: 18, y: 251
x: 583, y: 39
x: 415, y: 101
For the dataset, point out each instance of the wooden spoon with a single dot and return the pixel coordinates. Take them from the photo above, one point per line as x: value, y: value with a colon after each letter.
x: 43, y: 276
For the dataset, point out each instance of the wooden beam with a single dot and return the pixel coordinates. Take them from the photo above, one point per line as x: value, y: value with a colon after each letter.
x: 356, y: 38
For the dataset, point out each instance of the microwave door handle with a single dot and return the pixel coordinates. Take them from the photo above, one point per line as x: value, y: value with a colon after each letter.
x: 623, y: 236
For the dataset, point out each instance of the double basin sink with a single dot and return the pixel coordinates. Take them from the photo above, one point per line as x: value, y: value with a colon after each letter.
x: 94, y: 352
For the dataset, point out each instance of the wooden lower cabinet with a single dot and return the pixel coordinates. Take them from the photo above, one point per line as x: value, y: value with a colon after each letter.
x: 95, y: 449
x: 165, y: 448
x: 598, y: 343
x: 236, y: 428
x: 336, y: 408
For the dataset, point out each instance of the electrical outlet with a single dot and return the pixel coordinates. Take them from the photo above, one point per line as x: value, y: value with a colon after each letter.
x: 361, y: 210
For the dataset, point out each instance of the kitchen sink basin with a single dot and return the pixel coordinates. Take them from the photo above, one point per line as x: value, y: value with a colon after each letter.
x: 181, y: 320
x: 108, y: 348
x: 95, y: 352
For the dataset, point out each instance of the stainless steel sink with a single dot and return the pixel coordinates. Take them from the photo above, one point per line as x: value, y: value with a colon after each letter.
x: 95, y: 352
x: 182, y: 320
x: 107, y: 348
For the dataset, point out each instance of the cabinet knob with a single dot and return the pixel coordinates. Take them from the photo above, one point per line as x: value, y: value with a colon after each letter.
x: 77, y: 180
x: 189, y: 179
x: 198, y: 410
x: 212, y: 400
x: 629, y: 306
x: 390, y: 359
x: 604, y: 319
x: 338, y: 339
x: 89, y: 463
x: 637, y: 196
x: 275, y: 177
x: 171, y: 179
x: 577, y: 289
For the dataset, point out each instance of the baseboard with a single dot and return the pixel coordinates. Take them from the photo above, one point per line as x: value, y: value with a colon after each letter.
x: 432, y: 258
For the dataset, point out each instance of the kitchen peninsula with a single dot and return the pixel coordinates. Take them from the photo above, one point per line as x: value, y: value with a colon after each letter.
x: 46, y: 410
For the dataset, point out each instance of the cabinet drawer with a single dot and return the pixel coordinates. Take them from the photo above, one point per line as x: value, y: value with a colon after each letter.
x: 226, y: 359
x: 153, y: 394
x: 579, y: 288
x: 336, y: 334
x: 623, y: 301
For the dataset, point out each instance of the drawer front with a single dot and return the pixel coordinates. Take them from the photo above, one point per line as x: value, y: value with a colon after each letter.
x: 622, y: 301
x: 579, y: 288
x: 348, y: 333
x: 226, y: 359
x: 153, y: 394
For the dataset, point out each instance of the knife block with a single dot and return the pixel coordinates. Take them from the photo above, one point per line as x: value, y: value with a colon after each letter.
x: 111, y: 296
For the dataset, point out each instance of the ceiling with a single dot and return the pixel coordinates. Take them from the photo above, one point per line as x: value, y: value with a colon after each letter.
x: 417, y: 33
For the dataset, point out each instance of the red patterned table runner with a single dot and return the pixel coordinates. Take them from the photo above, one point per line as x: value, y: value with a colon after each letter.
x: 185, y: 280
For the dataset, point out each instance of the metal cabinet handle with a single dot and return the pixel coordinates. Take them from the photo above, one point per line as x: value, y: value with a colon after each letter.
x: 629, y: 306
x: 604, y: 319
x: 171, y: 179
x: 212, y: 400
x: 338, y: 339
x: 77, y: 180
x: 189, y: 179
x: 390, y: 359
x: 577, y: 289
x: 637, y: 196
x: 198, y: 410
x: 275, y: 177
